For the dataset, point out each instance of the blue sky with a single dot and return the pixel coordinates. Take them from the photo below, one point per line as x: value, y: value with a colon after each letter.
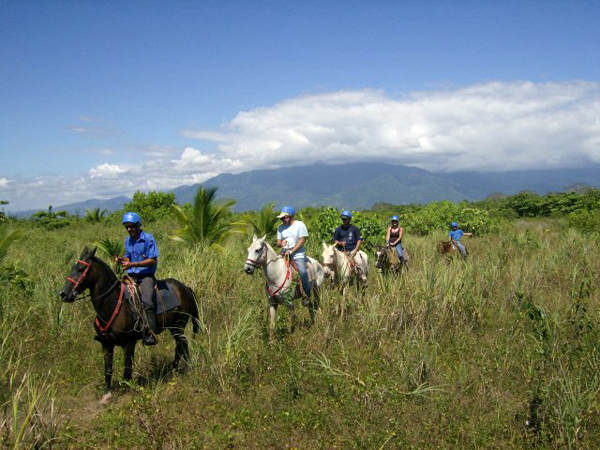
x: 99, y: 99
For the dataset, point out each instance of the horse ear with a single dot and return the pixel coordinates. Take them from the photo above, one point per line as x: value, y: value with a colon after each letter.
x: 254, y: 238
x: 324, y: 245
x: 263, y: 238
x: 93, y: 252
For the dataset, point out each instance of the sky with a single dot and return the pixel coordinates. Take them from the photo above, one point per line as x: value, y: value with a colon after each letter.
x: 100, y: 99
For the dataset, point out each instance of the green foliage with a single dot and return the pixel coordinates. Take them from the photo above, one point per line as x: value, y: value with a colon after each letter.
x: 95, y: 215
x: 325, y: 223
x: 3, y: 217
x: 439, y: 215
x: 151, y: 205
x: 110, y: 248
x: 264, y: 222
x: 209, y: 222
x: 51, y: 220
x: 585, y: 220
x: 8, y: 236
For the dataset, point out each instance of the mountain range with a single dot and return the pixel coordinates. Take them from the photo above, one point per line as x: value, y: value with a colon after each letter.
x: 360, y: 185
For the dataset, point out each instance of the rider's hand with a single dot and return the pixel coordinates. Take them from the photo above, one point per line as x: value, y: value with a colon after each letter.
x: 126, y: 264
x: 284, y: 244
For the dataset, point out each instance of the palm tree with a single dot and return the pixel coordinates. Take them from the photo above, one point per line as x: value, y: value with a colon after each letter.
x: 95, y: 215
x: 207, y: 222
x: 264, y: 222
x: 7, y: 237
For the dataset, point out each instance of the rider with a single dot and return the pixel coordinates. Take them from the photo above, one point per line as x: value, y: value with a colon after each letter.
x: 393, y: 237
x: 347, y: 237
x: 291, y: 236
x: 455, y: 235
x: 140, y: 260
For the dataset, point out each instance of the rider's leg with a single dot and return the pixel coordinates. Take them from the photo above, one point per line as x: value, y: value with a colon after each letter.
x: 303, y: 272
x: 147, y: 293
x: 461, y: 247
x: 400, y: 251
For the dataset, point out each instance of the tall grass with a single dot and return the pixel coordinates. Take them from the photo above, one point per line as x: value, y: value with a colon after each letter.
x: 498, y: 351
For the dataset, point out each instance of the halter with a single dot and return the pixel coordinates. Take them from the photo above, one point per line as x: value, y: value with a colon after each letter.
x: 256, y: 263
x: 77, y: 282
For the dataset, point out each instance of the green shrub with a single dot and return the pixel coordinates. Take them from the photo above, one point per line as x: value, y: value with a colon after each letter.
x: 439, y: 216
x: 325, y: 223
x: 152, y: 205
x: 51, y: 220
x: 584, y: 220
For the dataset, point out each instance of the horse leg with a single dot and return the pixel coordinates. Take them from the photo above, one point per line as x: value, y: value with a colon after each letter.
x: 129, y: 351
x: 181, y: 346
x: 108, y: 350
x: 272, y: 321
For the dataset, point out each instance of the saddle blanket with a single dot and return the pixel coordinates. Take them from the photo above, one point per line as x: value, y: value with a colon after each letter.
x: 164, y: 299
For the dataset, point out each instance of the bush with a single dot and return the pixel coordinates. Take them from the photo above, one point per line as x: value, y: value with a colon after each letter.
x: 439, y: 216
x: 325, y: 223
x: 152, y: 205
x: 51, y: 220
x: 584, y: 220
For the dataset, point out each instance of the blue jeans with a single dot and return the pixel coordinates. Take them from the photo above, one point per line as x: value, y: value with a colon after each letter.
x: 399, y: 250
x: 461, y: 247
x: 303, y: 272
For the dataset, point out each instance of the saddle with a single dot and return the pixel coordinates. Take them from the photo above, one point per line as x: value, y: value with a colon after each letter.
x: 164, y: 298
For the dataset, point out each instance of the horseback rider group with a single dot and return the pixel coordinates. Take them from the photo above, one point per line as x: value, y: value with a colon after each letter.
x: 141, y: 254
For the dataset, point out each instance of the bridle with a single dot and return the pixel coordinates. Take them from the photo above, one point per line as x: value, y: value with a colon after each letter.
x: 256, y: 263
x: 77, y: 282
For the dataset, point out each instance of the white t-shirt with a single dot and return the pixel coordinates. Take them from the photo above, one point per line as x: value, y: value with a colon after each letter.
x: 292, y: 234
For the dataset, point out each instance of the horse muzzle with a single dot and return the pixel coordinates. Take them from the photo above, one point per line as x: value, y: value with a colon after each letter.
x: 249, y: 269
x: 67, y: 297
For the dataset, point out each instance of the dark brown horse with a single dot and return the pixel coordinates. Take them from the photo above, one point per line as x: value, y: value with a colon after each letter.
x: 117, y: 323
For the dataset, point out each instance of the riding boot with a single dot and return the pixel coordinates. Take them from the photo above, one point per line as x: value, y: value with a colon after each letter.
x: 150, y: 332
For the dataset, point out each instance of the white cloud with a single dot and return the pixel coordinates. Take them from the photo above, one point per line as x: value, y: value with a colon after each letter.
x: 489, y: 126
x: 4, y: 182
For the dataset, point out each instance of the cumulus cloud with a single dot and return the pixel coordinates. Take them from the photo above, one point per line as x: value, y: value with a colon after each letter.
x: 491, y: 126
x: 4, y: 181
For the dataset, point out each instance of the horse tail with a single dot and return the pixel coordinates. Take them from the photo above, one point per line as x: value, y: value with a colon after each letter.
x: 196, y: 325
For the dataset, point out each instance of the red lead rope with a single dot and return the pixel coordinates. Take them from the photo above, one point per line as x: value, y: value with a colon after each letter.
x: 287, y: 276
x: 104, y: 329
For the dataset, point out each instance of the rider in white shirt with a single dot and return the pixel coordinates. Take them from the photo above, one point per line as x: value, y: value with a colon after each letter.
x: 291, y: 236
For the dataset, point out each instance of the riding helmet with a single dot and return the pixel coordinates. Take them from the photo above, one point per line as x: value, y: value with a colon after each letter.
x: 395, y: 218
x: 286, y: 211
x: 454, y: 224
x: 131, y: 217
x: 347, y: 214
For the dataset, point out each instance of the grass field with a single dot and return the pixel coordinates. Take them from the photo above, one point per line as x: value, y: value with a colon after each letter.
x: 499, y: 351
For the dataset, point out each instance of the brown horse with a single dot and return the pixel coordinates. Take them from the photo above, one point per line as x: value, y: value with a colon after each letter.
x: 117, y: 321
x: 388, y: 262
x: 450, y: 249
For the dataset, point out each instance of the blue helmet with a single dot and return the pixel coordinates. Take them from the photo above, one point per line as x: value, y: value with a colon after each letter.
x: 346, y: 213
x: 286, y: 211
x: 395, y: 218
x: 131, y: 217
x: 454, y: 224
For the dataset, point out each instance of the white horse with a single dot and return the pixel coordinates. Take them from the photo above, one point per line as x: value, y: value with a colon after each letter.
x: 280, y: 274
x: 345, y: 270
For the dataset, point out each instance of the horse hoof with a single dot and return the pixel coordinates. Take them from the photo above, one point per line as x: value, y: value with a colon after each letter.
x: 106, y: 398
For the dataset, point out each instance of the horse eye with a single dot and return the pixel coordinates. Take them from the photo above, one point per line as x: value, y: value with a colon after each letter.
x: 256, y: 251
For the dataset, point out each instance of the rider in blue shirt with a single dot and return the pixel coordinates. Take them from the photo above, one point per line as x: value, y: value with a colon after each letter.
x: 455, y: 235
x: 347, y: 237
x: 140, y: 261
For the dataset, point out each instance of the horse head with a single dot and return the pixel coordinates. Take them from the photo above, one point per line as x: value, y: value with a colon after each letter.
x: 328, y: 256
x: 381, y: 257
x: 78, y: 279
x: 257, y: 254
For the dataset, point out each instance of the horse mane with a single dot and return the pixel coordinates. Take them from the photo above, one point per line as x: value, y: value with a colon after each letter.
x: 104, y: 266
